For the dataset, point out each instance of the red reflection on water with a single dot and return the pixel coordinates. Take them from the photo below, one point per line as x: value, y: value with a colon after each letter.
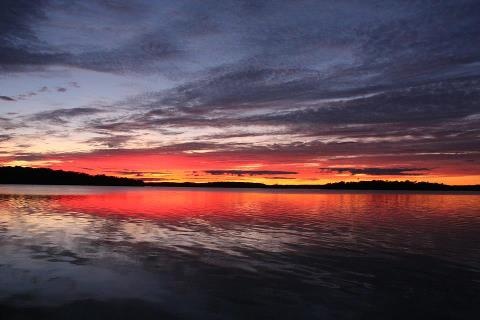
x: 186, y: 202
x: 165, y: 202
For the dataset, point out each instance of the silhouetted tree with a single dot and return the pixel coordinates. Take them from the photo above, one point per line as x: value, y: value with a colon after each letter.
x: 23, y: 175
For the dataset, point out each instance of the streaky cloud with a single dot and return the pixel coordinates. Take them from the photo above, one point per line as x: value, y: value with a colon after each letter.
x: 378, y: 171
x: 248, y: 172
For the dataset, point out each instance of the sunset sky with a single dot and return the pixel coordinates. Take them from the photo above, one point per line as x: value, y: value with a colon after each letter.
x: 280, y: 92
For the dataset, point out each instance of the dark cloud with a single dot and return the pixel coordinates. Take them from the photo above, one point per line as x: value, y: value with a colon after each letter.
x: 364, y: 52
x: 280, y: 178
x: 8, y: 124
x: 247, y: 172
x: 6, y: 98
x: 23, y: 49
x: 335, y: 78
x: 20, y: 48
x: 138, y: 56
x: 434, y: 117
x: 16, y: 15
x: 248, y: 89
x: 140, y: 172
x: 5, y: 137
x: 378, y: 171
x: 61, y: 115
x: 348, y: 39
x: 110, y: 140
x: 433, y: 102
x: 158, y: 179
x: 26, y: 95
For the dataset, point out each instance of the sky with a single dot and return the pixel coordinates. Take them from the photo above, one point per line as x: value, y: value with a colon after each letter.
x: 274, y: 91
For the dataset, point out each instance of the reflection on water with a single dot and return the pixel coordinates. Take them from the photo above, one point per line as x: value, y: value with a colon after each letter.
x: 106, y: 252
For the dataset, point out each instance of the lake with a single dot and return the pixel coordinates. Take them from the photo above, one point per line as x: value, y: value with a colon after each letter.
x: 180, y: 253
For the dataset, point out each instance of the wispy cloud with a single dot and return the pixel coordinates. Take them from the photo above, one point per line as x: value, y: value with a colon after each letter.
x: 6, y: 98
x: 110, y: 140
x: 378, y: 171
x: 347, y: 79
x: 5, y: 137
x: 62, y: 115
x: 248, y: 172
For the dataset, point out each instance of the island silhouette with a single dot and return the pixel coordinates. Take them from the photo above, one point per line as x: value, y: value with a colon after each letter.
x: 46, y: 176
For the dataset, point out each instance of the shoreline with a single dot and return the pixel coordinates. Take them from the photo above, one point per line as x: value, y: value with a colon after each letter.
x: 247, y: 186
x: 44, y: 176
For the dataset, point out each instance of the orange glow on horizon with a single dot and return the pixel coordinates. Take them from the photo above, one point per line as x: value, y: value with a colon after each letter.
x: 192, y: 168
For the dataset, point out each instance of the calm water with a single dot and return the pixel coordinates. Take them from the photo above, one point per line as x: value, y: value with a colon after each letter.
x: 161, y: 253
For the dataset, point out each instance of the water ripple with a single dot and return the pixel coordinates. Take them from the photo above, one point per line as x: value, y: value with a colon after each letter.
x: 235, y: 254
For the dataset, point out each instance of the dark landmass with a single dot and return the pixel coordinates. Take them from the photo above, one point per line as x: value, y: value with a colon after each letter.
x: 23, y: 175
x: 44, y: 176
x: 360, y: 185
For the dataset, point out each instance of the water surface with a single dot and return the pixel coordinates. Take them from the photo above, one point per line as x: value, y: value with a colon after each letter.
x: 161, y: 253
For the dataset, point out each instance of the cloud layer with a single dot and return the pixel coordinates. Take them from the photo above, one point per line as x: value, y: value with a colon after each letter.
x: 248, y: 172
x: 378, y: 171
x: 376, y: 87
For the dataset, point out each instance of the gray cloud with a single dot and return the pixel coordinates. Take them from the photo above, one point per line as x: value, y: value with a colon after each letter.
x: 111, y: 141
x: 6, y: 98
x: 247, y: 172
x: 353, y: 39
x: 378, y: 171
x: 5, y: 137
x: 16, y: 35
x: 8, y: 124
x: 140, y: 173
x: 335, y: 78
x: 433, y: 102
x: 61, y: 115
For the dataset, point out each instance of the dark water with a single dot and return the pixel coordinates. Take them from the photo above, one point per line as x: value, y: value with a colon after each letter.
x: 146, y: 253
